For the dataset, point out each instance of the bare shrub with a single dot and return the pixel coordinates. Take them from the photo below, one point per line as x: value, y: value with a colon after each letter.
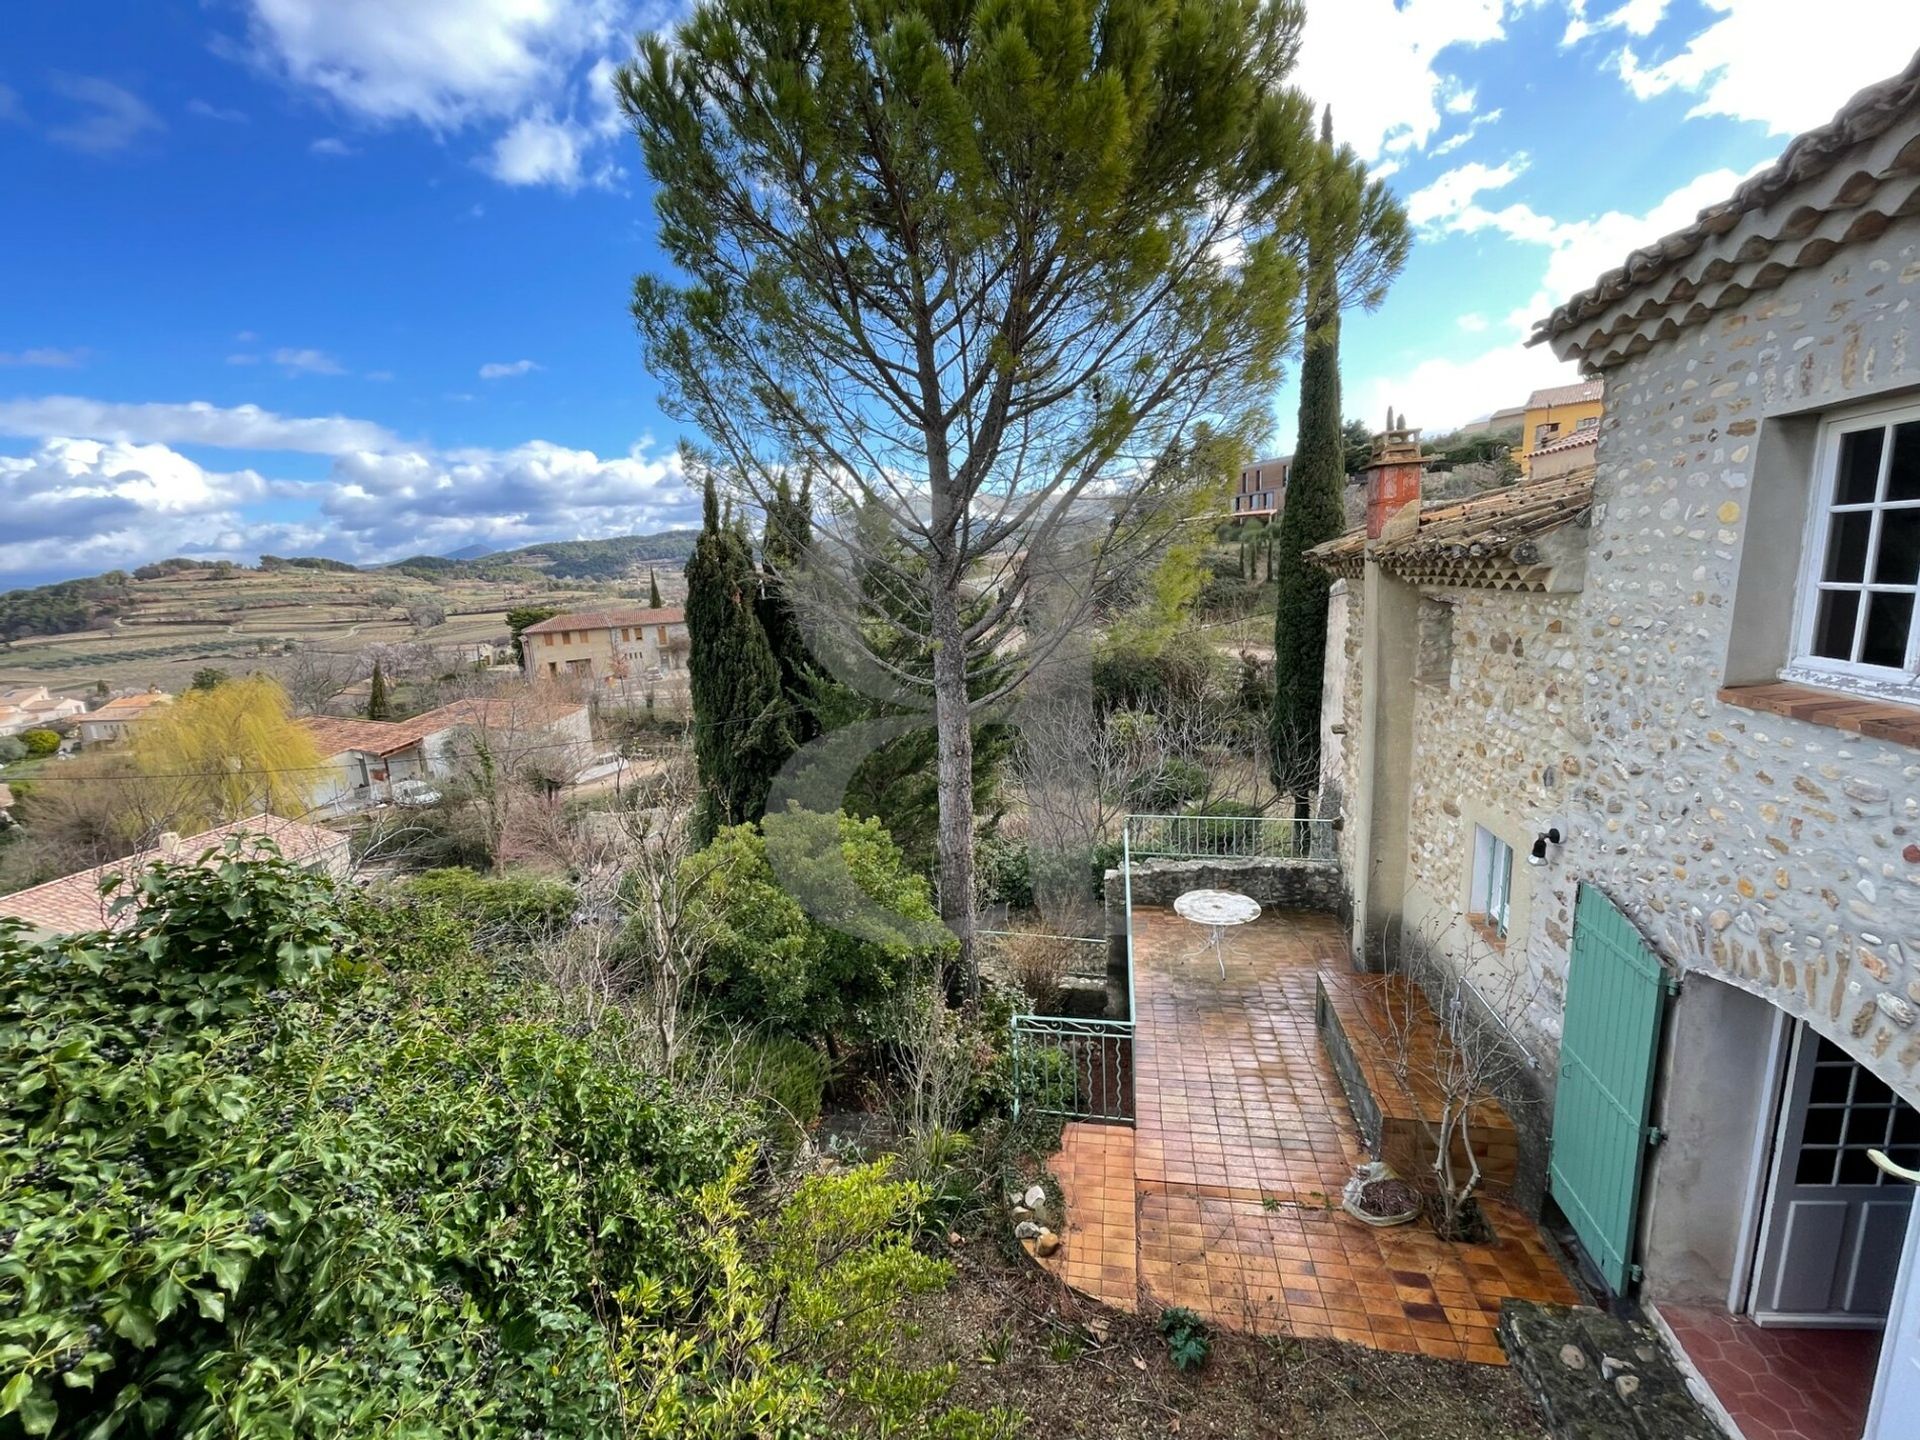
x: 1039, y: 964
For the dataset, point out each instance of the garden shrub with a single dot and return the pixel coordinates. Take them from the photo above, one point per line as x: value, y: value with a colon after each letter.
x: 11, y: 749
x: 772, y: 964
x: 795, y: 1331
x: 1218, y: 834
x: 502, y: 910
x: 40, y: 742
x: 259, y: 1178
x: 789, y: 1075
x: 1003, y: 871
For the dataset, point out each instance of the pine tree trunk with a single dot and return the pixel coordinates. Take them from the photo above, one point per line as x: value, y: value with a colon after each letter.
x: 953, y: 725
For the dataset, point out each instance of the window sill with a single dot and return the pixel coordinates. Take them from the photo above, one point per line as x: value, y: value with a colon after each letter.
x: 1487, y: 931
x: 1874, y: 719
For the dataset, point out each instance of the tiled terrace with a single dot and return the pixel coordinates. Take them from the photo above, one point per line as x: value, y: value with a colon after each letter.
x: 1780, y: 1384
x: 1225, y: 1196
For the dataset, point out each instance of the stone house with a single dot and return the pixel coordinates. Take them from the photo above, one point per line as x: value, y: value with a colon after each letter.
x: 34, y: 707
x: 1694, y: 697
x: 114, y: 721
x: 368, y: 759
x: 608, y: 647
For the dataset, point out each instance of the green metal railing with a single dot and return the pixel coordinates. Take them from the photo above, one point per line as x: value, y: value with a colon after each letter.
x: 1200, y: 837
x: 1079, y: 1069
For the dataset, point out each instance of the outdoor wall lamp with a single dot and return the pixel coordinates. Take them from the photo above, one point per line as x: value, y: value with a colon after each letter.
x: 1538, y: 855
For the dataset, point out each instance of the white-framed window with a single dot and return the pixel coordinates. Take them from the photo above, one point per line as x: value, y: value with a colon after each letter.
x: 1854, y: 624
x: 1491, y: 901
x: 1588, y: 422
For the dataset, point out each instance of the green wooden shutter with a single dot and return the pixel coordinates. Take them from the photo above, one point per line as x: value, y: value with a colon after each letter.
x: 1616, y: 991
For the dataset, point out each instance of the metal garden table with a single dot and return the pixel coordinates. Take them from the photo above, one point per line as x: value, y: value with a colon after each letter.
x: 1219, y: 911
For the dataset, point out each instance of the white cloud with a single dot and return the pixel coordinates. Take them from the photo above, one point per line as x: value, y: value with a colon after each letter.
x: 537, y: 149
x: 120, y: 495
x: 84, y: 504
x: 501, y: 370
x: 1453, y: 192
x: 239, y: 427
x: 1581, y: 250
x: 306, y: 362
x: 111, y: 117
x: 1441, y: 392
x: 1474, y: 127
x: 1472, y: 322
x: 331, y: 145
x: 1774, y: 61
x: 44, y: 357
x: 206, y: 110
x: 1375, y: 62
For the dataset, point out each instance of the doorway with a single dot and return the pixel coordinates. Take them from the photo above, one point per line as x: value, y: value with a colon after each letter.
x: 1834, y: 1223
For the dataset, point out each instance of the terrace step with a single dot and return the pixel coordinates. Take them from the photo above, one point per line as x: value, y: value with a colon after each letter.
x: 1596, y: 1377
x: 1352, y: 1012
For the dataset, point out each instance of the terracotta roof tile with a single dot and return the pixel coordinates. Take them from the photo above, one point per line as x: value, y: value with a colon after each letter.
x: 74, y: 902
x: 1487, y: 525
x: 1562, y: 443
x: 1582, y: 393
x: 601, y: 619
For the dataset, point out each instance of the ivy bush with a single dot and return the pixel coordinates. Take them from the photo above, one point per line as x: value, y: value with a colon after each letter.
x: 265, y: 1173
x: 501, y: 910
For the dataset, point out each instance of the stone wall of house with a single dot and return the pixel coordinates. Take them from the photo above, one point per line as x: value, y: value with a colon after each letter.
x: 1497, y: 742
x: 1777, y: 854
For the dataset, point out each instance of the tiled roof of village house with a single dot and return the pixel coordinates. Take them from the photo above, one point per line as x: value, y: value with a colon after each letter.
x: 74, y: 902
x: 1573, y: 441
x: 1488, y: 540
x: 335, y: 734
x: 1847, y: 181
x: 1579, y: 394
x: 129, y: 707
x: 601, y: 619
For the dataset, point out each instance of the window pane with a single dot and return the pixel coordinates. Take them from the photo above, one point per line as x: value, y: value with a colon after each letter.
x: 1897, y: 562
x: 1903, y: 474
x: 1830, y: 1084
x: 1847, y: 547
x: 1889, y: 617
x: 1833, y: 630
x: 1815, y: 1167
x: 1857, y: 1169
x: 1859, y: 476
x: 1868, y: 1127
x: 1823, y: 1126
x: 1871, y: 1090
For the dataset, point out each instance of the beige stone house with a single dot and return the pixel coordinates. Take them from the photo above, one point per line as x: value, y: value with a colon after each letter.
x: 1689, y: 687
x: 607, y: 647
x: 114, y: 721
x: 33, y: 707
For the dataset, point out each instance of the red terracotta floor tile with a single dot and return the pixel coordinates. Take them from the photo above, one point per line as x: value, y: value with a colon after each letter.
x: 1223, y: 1197
x: 1780, y: 1383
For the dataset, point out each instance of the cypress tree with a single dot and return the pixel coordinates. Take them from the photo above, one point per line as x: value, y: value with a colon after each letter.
x: 379, y: 706
x: 784, y: 546
x: 740, y: 737
x: 1313, y: 513
x: 653, y: 590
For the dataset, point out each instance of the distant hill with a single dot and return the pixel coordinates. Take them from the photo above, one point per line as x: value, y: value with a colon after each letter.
x: 611, y: 559
x: 476, y: 551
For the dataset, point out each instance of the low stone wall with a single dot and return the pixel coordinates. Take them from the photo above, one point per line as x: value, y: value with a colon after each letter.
x: 1276, y: 884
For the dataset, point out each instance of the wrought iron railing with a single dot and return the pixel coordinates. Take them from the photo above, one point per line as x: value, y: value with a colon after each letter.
x: 1079, y: 1069
x: 1088, y: 952
x: 1200, y: 837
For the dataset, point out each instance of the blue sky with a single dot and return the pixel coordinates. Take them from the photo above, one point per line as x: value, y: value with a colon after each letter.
x: 349, y: 276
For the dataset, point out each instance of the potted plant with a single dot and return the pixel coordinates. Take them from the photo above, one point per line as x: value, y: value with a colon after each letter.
x: 1376, y: 1196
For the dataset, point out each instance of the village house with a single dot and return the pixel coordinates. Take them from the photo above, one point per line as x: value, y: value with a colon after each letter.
x: 1636, y: 747
x: 1261, y: 489
x: 33, y: 707
x: 1559, y: 413
x: 608, y: 647
x: 75, y: 903
x: 376, y: 762
x: 114, y: 721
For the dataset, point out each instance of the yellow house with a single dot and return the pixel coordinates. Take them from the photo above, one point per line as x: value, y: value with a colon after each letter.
x: 1555, y: 414
x: 606, y: 647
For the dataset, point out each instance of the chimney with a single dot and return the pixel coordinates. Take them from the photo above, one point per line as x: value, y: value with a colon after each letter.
x: 1393, y: 473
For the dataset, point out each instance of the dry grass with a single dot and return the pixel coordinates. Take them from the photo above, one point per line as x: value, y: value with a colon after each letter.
x: 1040, y: 964
x: 1078, y: 1369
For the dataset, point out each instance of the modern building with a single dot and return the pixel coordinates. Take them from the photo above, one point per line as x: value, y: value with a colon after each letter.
x: 1635, y: 749
x: 75, y: 902
x: 1497, y: 423
x: 607, y: 647
x: 34, y: 707
x: 372, y: 761
x: 1556, y: 414
x: 114, y: 721
x: 1261, y: 489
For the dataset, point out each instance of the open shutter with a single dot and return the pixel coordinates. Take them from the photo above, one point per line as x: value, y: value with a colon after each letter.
x: 1616, y: 996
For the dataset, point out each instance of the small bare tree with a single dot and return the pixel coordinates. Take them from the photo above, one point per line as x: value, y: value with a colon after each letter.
x: 1446, y: 1049
x: 313, y: 677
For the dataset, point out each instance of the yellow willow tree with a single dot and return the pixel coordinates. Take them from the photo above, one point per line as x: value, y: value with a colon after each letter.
x: 223, y: 754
